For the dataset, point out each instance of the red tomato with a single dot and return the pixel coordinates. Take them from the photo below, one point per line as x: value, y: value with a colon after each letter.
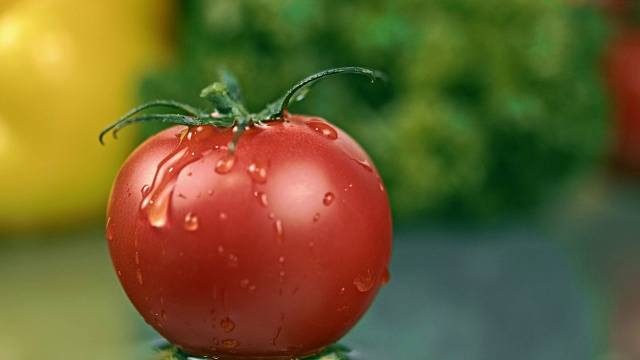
x: 622, y: 68
x: 275, y: 250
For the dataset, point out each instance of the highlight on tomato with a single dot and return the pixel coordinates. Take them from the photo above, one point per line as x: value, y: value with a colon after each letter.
x: 238, y: 234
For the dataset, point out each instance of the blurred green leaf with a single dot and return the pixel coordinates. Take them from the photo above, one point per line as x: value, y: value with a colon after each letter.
x: 490, y: 104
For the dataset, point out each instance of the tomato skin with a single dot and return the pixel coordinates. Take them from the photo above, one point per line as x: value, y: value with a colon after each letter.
x: 622, y: 69
x: 278, y: 257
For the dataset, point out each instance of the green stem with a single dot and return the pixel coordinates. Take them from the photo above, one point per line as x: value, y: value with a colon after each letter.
x: 307, y: 82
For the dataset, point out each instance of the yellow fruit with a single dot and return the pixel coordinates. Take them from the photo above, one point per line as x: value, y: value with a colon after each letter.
x: 67, y: 69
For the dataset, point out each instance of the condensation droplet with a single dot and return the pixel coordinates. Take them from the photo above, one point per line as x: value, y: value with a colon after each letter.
x: 225, y: 164
x: 244, y: 283
x: 181, y: 135
x: 137, y: 258
x: 109, y: 230
x: 258, y: 172
x: 139, y: 276
x: 281, y: 262
x: 272, y: 216
x: 191, y: 222
x: 364, y: 280
x: 343, y: 308
x: 316, y: 217
x: 227, y: 324
x: 262, y: 198
x: 164, y: 315
x: 365, y: 164
x: 342, y: 290
x: 281, y: 276
x: 223, y: 216
x: 328, y: 198
x: 145, y: 190
x: 232, y: 261
x: 322, y: 128
x: 210, y: 192
x: 159, y: 324
x: 279, y: 231
x: 230, y: 343
x: 386, y: 276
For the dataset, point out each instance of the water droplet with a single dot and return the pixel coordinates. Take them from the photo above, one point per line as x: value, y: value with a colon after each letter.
x: 139, y: 276
x: 220, y: 249
x: 365, y: 164
x: 328, y: 198
x: 209, y: 192
x: 343, y: 308
x: 213, y: 314
x: 223, y: 216
x: 155, y: 203
x: 191, y: 222
x: 281, y: 262
x: 164, y: 315
x: 227, y: 324
x: 281, y: 276
x: 258, y: 171
x: 109, y: 230
x: 232, y: 261
x: 137, y: 258
x: 380, y: 184
x: 279, y: 231
x: 322, y: 128
x: 182, y: 134
x: 145, y: 190
x: 364, y: 280
x: 275, y: 336
x: 244, y: 283
x: 159, y: 324
x: 262, y: 197
x: 252, y: 288
x: 316, y: 217
x: 386, y: 276
x: 225, y: 164
x: 272, y: 215
x: 342, y: 290
x: 230, y: 343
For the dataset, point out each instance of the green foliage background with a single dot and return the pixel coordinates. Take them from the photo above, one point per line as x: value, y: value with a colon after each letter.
x: 489, y: 104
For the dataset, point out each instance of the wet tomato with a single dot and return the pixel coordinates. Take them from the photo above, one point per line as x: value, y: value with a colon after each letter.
x: 265, y: 239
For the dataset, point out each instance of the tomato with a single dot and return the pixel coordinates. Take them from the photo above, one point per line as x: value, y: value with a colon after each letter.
x: 64, y: 66
x: 269, y: 239
x: 623, y: 75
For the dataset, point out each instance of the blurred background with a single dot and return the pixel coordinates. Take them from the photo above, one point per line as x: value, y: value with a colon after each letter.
x: 508, y: 137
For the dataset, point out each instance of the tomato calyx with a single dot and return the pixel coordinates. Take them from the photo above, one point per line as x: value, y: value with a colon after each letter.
x: 227, y: 109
